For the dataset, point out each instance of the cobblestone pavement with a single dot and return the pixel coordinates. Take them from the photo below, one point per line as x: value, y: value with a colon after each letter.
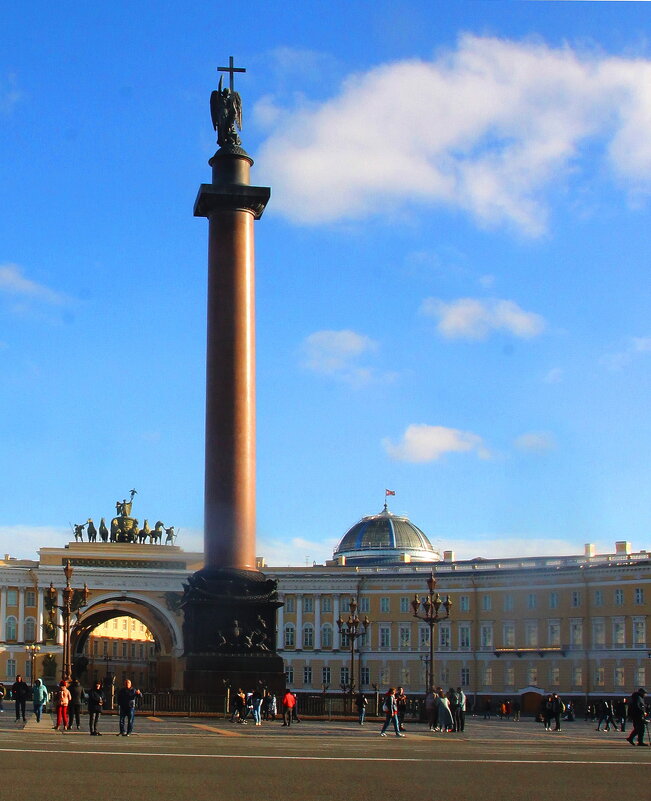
x: 185, y: 758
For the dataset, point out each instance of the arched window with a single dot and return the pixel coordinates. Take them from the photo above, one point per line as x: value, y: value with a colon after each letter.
x: 308, y: 636
x: 30, y: 629
x: 290, y: 638
x: 11, y: 628
x: 326, y: 636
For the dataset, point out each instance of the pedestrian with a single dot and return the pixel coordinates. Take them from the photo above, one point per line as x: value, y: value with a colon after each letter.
x: 289, y: 702
x: 605, y: 710
x: 361, y: 702
x: 390, y: 709
x: 257, y: 703
x: 95, y: 705
x: 487, y: 709
x: 39, y: 698
x: 558, y: 707
x: 516, y: 711
x: 453, y: 702
x: 239, y: 707
x: 3, y: 692
x: 445, y: 721
x: 126, y: 701
x: 401, y: 703
x: 295, y: 717
x: 431, y: 708
x: 637, y: 714
x: 620, y: 711
x: 20, y: 693
x: 461, y: 710
x: 62, y: 702
x: 548, y: 712
x: 77, y: 697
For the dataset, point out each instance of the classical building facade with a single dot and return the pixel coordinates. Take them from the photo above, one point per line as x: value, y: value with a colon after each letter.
x: 577, y: 625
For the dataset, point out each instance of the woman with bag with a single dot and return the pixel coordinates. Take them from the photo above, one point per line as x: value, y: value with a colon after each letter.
x: 390, y: 709
x: 95, y: 704
x: 62, y: 702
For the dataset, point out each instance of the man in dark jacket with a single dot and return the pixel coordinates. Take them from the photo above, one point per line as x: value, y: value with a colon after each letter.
x: 77, y: 696
x: 637, y: 713
x: 20, y: 693
x: 126, y: 701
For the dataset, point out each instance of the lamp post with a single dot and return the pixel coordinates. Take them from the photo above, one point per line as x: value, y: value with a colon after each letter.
x: 427, y: 609
x: 353, y: 628
x: 66, y: 609
x: 32, y: 650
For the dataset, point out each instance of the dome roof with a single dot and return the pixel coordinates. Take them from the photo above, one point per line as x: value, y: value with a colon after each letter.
x: 385, y: 537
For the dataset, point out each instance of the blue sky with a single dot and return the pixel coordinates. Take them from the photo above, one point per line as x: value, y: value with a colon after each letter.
x: 453, y: 294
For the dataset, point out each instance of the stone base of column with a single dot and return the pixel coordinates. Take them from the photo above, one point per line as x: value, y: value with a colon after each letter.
x: 229, y: 631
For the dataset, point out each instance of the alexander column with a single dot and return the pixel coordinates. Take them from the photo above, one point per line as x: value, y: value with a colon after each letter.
x: 229, y: 606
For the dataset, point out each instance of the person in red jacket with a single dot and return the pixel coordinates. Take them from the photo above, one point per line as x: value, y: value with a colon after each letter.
x: 289, y: 702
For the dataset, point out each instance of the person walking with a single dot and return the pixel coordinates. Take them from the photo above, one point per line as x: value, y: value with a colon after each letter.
x: 20, y: 693
x: 95, y: 705
x: 401, y: 703
x: 558, y: 707
x: 460, y: 713
x: 289, y: 702
x: 390, y: 709
x: 361, y: 702
x: 126, y: 701
x: 77, y: 696
x: 257, y: 703
x: 239, y: 707
x: 62, y: 703
x: 39, y: 698
x: 637, y: 714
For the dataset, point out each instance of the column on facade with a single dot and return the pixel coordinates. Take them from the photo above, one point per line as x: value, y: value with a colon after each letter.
x: 3, y: 615
x: 280, y: 626
x: 21, y: 614
x: 299, y: 621
x: 317, y: 622
x: 59, y: 631
x: 335, y: 630
x: 39, y: 615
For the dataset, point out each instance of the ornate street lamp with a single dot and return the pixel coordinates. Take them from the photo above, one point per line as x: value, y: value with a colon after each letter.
x: 32, y: 650
x: 70, y: 604
x: 353, y: 628
x: 427, y: 609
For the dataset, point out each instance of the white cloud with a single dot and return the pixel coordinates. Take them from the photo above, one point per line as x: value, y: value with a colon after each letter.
x: 642, y: 344
x: 495, y: 547
x: 23, y: 542
x: 297, y: 551
x: 553, y: 376
x: 337, y: 354
x: 10, y: 95
x: 536, y: 441
x: 470, y: 318
x: 425, y: 443
x: 489, y: 127
x: 14, y: 283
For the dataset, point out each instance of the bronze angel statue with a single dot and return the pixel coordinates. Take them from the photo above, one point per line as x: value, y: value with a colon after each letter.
x: 226, y: 113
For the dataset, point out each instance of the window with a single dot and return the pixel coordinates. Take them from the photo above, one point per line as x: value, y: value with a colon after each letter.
x: 619, y: 633
x: 465, y: 677
x: 308, y: 603
x: 486, y: 603
x: 12, y: 598
x: 444, y: 637
x: 553, y: 600
x: 555, y: 676
x: 115, y: 650
x: 509, y: 635
x: 326, y: 636
x: 405, y: 677
x: 531, y: 635
x: 325, y: 675
x: 598, y: 598
x: 554, y: 633
x: 404, y: 604
x: 28, y: 670
x: 326, y: 604
x: 600, y: 677
x: 531, y: 600
x: 576, y: 633
x: 11, y: 669
x: 619, y: 597
x: 639, y: 633
x: 405, y: 636
x: 344, y: 676
x: 577, y: 676
x: 444, y: 675
x: 486, y: 632
x: 464, y: 636
x: 290, y: 604
x: 639, y: 596
x: 344, y: 642
x: 290, y: 639
x: 619, y: 677
x: 30, y: 629
x: 124, y: 650
x: 508, y: 602
x: 308, y: 636
x: 488, y: 676
x: 576, y: 598
x: 141, y: 652
x: 115, y: 623
x: 423, y: 637
x: 289, y: 675
x: 30, y: 598
x: 11, y: 628
x: 532, y: 676
x: 366, y: 676
x: 307, y: 675
x: 105, y: 648
x: 365, y: 604
x: 599, y: 633
x: 385, y: 675
x: 133, y: 650
x: 384, y: 605
x: 385, y: 637
x: 124, y: 623
x: 509, y: 676
x: 464, y: 603
x: 640, y: 677
x: 95, y: 644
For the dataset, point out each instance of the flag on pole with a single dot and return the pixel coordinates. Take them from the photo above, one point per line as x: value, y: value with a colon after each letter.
x: 389, y: 492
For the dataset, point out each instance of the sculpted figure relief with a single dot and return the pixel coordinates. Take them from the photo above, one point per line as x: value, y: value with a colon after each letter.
x: 226, y: 114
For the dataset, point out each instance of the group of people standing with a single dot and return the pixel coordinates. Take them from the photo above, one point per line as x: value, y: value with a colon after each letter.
x: 67, y: 702
x: 262, y: 705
